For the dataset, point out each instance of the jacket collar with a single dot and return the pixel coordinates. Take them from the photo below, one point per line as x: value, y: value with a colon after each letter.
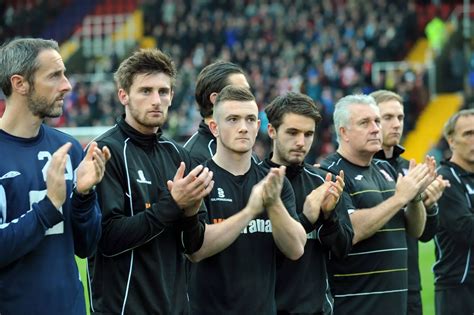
x: 291, y: 170
x: 397, y: 151
x: 140, y: 139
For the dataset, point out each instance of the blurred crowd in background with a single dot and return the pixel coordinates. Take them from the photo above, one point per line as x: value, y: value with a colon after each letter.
x: 325, y: 49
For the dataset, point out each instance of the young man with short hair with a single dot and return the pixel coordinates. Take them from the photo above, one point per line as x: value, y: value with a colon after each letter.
x: 149, y: 197
x: 302, y: 285
x: 250, y: 217
x: 210, y: 81
x: 392, y: 115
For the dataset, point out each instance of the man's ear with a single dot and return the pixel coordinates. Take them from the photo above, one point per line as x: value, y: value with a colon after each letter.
x: 213, y: 97
x: 214, y: 128
x: 272, y: 133
x: 19, y: 84
x: 123, y: 97
x: 343, y: 134
x: 450, y: 141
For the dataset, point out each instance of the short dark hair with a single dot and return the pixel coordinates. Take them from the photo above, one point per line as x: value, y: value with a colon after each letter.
x: 295, y: 103
x: 144, y: 61
x: 20, y: 57
x: 450, y: 125
x: 213, y: 78
x: 234, y: 93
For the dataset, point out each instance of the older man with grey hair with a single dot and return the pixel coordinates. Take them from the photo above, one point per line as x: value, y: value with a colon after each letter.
x: 454, y: 267
x: 372, y: 279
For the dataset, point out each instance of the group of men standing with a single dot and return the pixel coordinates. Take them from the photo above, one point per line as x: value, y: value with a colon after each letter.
x: 264, y: 236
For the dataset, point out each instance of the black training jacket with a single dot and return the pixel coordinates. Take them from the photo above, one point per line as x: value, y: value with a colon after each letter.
x: 139, y: 264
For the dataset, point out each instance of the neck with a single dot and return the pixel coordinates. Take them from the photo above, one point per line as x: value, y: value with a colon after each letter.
x: 276, y: 159
x: 356, y: 158
x: 233, y: 162
x: 388, y: 152
x: 467, y: 166
x: 18, y: 120
x: 139, y: 127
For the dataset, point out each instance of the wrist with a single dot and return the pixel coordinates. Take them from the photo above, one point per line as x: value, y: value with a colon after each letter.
x: 82, y: 193
x: 417, y: 198
x: 432, y: 210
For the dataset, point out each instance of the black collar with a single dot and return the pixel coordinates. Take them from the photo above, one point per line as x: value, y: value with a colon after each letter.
x: 140, y: 139
x: 204, y: 129
x: 397, y: 151
x: 291, y: 170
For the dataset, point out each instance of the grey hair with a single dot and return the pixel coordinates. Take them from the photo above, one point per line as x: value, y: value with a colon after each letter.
x: 450, y: 125
x: 20, y: 57
x: 342, y: 111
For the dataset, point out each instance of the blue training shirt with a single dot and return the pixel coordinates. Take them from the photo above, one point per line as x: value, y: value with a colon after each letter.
x: 38, y: 272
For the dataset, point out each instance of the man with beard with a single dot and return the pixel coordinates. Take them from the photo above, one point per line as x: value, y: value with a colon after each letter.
x: 150, y: 197
x: 48, y: 207
x: 392, y: 115
x: 250, y: 216
x: 302, y: 285
x: 372, y: 279
x: 454, y: 266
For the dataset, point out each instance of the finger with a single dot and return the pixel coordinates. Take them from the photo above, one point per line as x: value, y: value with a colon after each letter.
x: 60, y: 156
x: 179, y: 172
x: 202, y: 181
x: 341, y: 174
x: 207, y: 190
x: 63, y: 149
x: 106, y: 153
x: 208, y: 179
x: 412, y: 164
x: 328, y: 177
x: 282, y: 170
x: 99, y: 162
x: 170, y: 183
x: 90, y: 151
x: 191, y: 177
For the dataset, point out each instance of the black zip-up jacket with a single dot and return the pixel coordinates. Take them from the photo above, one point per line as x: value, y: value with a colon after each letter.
x: 302, y: 286
x: 455, y: 239
x: 139, y: 264
x: 401, y: 165
x: 202, y: 145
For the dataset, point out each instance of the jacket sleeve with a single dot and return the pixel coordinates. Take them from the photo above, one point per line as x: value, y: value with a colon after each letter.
x: 86, y: 223
x: 85, y: 215
x: 121, y: 230
x: 336, y: 233
x: 431, y: 225
x: 23, y: 234
x: 455, y: 215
